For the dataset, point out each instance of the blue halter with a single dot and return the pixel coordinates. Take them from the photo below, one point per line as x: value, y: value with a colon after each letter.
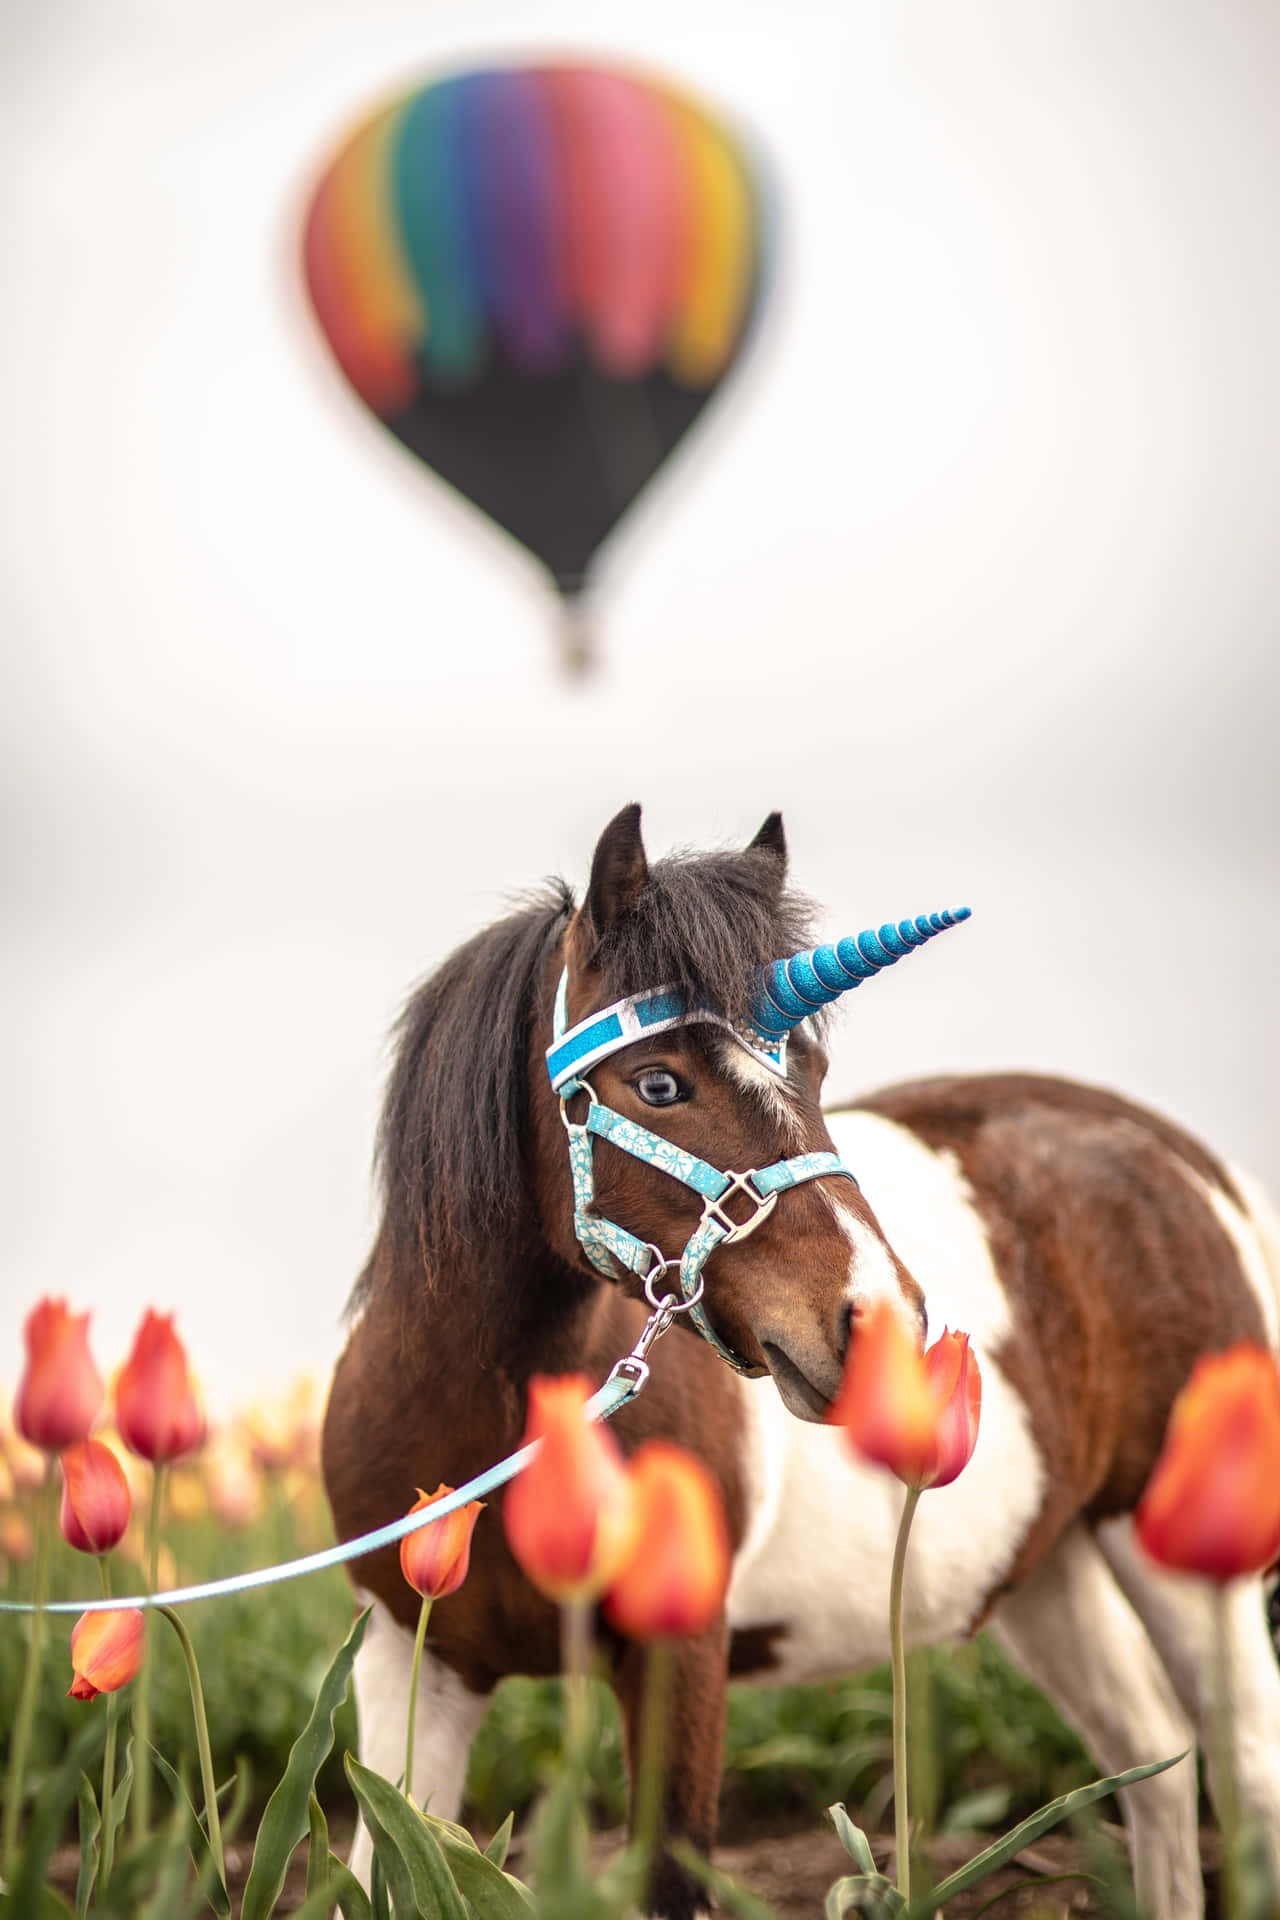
x: 571, y: 1054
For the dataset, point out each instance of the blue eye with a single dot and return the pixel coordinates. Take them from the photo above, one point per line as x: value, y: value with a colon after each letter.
x: 658, y: 1088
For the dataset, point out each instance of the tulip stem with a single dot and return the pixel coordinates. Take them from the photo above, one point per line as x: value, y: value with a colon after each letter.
x: 1225, y: 1796
x: 106, y: 1859
x: 420, y: 1639
x: 24, y: 1719
x: 141, y: 1809
x: 575, y: 1659
x: 651, y: 1769
x: 202, y: 1740
x: 901, y: 1831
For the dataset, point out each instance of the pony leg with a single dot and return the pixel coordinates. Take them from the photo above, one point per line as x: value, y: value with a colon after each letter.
x: 447, y: 1719
x: 694, y: 1755
x: 1071, y: 1630
x: 1178, y: 1614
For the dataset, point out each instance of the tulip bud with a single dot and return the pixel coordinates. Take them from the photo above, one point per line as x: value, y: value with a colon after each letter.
x: 917, y: 1415
x: 157, y: 1411
x: 434, y: 1560
x: 95, y: 1498
x: 1212, y: 1504
x: 569, y: 1514
x: 61, y: 1391
x: 106, y: 1651
x: 674, y: 1578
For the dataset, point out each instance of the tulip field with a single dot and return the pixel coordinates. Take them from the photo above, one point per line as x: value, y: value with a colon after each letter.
x: 246, y: 1702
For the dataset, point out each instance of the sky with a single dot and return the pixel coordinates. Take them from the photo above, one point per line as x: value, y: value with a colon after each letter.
x: 971, y: 570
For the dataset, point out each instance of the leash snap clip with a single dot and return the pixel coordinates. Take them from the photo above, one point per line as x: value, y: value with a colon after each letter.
x: 717, y: 1211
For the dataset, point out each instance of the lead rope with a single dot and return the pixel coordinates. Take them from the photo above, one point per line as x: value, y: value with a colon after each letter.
x: 626, y: 1379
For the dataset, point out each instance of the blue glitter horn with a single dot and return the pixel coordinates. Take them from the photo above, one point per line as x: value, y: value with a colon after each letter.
x: 788, y: 990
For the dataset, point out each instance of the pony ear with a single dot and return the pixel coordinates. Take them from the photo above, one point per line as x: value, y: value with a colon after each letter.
x: 619, y: 871
x: 771, y: 839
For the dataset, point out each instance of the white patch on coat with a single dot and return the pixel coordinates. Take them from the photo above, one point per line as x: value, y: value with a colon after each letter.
x: 769, y: 1090
x: 872, y: 1273
x: 1254, y: 1237
x: 821, y: 1528
x: 1072, y: 1631
x: 448, y: 1718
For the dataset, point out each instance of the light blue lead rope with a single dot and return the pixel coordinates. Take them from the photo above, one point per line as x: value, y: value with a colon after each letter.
x: 612, y: 1396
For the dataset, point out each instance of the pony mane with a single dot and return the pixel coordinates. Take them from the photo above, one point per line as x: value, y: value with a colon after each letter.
x: 453, y: 1143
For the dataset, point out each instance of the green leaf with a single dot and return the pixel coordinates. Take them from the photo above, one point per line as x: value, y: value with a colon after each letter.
x: 49, y: 1906
x: 419, y: 1879
x: 285, y: 1819
x: 984, y: 1807
x: 869, y: 1894
x: 1037, y: 1823
x: 202, y: 1855
x: 48, y: 1817
x: 497, y: 1847
x: 733, y: 1898
x: 480, y: 1879
x: 340, y: 1889
x: 317, y: 1847
x: 852, y: 1838
x: 90, y: 1828
x: 380, y: 1905
x: 120, y: 1798
x: 558, y: 1842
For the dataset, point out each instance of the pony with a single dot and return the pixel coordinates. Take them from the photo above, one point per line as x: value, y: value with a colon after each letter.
x: 551, y: 1079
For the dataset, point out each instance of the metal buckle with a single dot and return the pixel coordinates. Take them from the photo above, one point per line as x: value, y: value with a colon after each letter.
x: 733, y: 1230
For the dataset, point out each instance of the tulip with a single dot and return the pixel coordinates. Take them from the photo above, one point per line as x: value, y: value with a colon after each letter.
x: 95, y: 1498
x: 106, y: 1652
x: 60, y: 1393
x: 1212, y: 1504
x: 569, y: 1514
x: 673, y: 1580
x: 157, y: 1411
x: 434, y: 1560
x: 917, y: 1415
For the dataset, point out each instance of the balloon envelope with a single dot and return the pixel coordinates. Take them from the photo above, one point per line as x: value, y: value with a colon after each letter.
x: 537, y: 277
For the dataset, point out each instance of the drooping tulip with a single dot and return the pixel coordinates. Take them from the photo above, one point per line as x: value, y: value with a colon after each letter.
x: 157, y: 1411
x: 1212, y: 1504
x: 106, y: 1651
x: 435, y: 1559
x: 96, y: 1505
x: 60, y: 1392
x: 673, y: 1580
x: 915, y: 1414
x: 569, y: 1516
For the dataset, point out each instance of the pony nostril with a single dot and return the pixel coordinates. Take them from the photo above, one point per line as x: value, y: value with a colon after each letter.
x: 850, y: 1314
x: 922, y: 1315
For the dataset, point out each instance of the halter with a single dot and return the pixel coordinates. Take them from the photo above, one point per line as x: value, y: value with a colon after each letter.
x: 571, y: 1054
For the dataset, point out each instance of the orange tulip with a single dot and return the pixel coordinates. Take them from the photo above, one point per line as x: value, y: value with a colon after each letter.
x: 569, y: 1514
x: 157, y: 1411
x: 106, y: 1652
x: 1212, y: 1504
x: 916, y: 1414
x: 61, y: 1391
x: 673, y: 1580
x: 434, y: 1560
x: 95, y: 1498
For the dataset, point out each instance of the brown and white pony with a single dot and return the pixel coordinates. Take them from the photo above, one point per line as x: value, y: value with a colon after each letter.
x: 1092, y: 1251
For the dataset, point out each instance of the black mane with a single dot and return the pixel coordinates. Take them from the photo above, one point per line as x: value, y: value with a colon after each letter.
x: 453, y: 1140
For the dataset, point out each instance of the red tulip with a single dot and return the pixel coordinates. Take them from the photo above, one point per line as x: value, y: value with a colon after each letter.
x: 95, y: 1498
x: 61, y: 1391
x: 157, y: 1411
x: 106, y: 1651
x: 1212, y: 1504
x: 917, y: 1415
x: 674, y: 1578
x: 569, y: 1514
x: 434, y: 1560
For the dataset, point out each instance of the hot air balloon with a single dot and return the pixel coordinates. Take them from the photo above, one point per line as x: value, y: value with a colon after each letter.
x: 536, y: 277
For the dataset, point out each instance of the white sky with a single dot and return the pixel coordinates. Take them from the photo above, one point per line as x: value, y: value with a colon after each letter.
x: 973, y: 573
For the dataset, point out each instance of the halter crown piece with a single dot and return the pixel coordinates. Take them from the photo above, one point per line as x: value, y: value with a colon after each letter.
x: 784, y: 993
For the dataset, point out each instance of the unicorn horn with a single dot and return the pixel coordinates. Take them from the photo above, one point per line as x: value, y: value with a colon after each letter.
x: 788, y: 990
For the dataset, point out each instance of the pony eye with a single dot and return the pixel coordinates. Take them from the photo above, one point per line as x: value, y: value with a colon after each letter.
x: 658, y: 1087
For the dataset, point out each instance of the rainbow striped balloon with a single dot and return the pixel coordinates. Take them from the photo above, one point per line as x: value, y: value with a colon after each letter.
x: 536, y: 276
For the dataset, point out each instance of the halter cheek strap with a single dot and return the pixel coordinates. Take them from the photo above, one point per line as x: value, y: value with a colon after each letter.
x: 603, y: 1241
